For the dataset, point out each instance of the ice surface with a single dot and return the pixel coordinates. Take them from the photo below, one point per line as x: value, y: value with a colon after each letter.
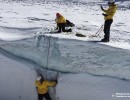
x: 16, y: 79
x: 20, y: 20
x: 73, y: 56
x: 87, y: 87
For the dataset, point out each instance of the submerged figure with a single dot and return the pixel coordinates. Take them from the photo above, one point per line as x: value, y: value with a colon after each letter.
x: 42, y: 87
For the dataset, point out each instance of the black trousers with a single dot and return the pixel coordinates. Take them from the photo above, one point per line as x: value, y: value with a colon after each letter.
x: 107, y: 26
x: 61, y: 27
x: 46, y: 96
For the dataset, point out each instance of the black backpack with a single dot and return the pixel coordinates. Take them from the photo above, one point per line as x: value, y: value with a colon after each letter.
x: 69, y: 24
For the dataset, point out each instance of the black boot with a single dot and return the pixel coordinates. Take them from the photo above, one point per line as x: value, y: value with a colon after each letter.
x: 104, y: 40
x: 58, y: 32
x: 69, y: 30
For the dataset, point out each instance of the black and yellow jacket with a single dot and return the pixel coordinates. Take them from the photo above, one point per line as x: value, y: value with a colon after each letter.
x: 110, y: 12
x: 42, y: 88
x: 60, y: 19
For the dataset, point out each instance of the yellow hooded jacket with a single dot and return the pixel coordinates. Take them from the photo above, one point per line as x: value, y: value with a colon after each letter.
x: 60, y: 19
x: 42, y: 88
x: 110, y: 12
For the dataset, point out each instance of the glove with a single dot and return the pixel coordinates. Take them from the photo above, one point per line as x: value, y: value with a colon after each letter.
x: 104, y: 14
x: 38, y: 78
x: 101, y: 7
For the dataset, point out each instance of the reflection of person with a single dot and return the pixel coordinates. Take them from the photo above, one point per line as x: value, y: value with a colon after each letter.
x: 61, y: 22
x: 42, y: 87
x: 108, y: 16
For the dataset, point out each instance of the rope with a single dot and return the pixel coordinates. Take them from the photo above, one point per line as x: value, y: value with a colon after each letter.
x: 48, y: 52
x: 98, y: 32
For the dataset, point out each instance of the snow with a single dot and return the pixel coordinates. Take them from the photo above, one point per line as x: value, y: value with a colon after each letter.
x: 100, y: 66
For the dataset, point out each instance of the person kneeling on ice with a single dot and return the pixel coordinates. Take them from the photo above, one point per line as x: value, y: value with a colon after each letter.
x: 108, y: 16
x: 62, y: 23
x: 42, y: 87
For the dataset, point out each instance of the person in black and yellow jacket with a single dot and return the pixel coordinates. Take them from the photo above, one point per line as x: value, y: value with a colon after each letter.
x: 108, y: 16
x: 42, y: 87
x: 61, y: 23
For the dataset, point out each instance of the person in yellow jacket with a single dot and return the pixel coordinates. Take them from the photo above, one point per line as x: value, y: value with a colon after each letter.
x: 108, y: 16
x: 42, y: 87
x: 61, y: 22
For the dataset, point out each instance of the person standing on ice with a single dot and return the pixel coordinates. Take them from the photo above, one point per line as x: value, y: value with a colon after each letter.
x: 108, y: 16
x: 61, y: 23
x: 42, y: 87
